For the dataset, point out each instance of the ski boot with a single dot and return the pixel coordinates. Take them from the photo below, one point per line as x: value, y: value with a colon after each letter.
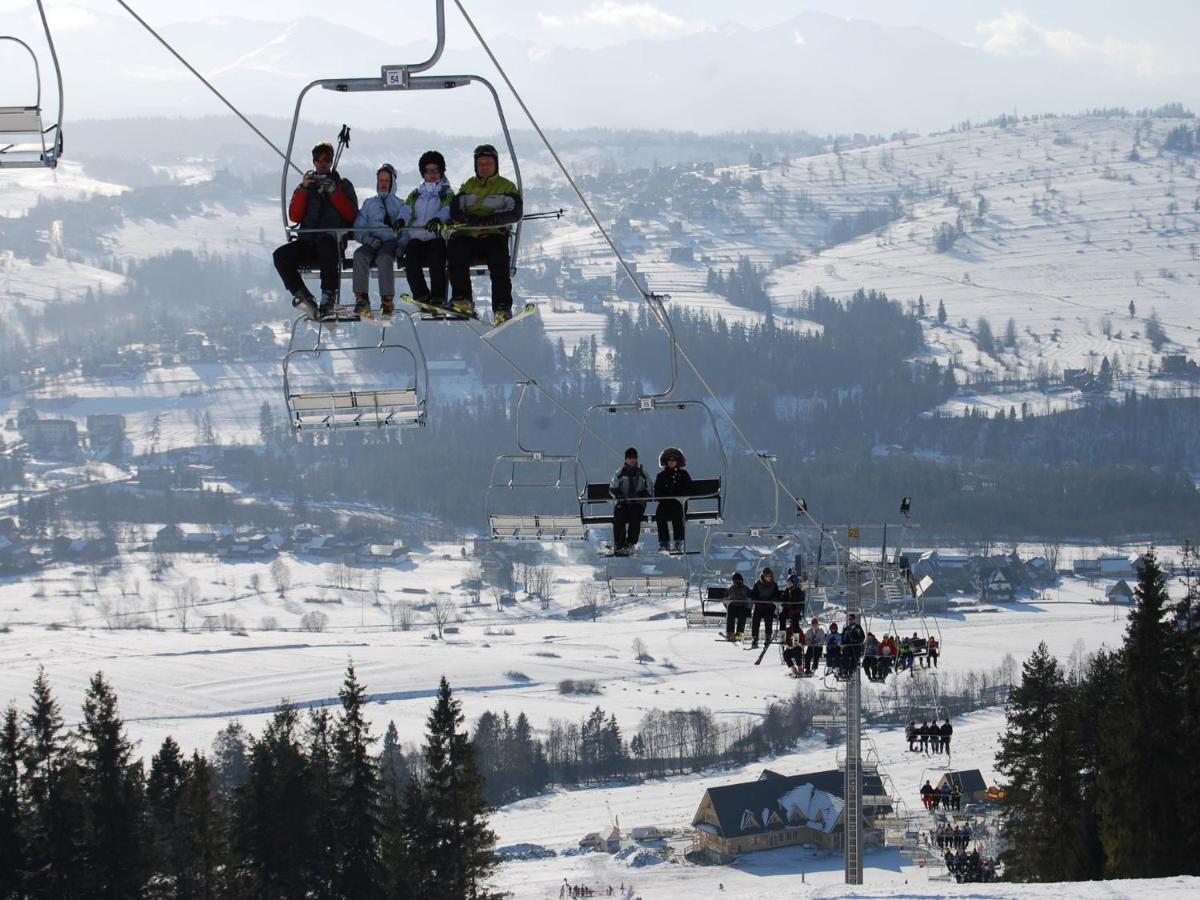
x: 303, y: 301
x: 463, y: 306
x: 328, y: 307
x: 679, y: 546
x: 737, y: 637
x: 362, y: 306
x: 387, y: 307
x: 501, y: 316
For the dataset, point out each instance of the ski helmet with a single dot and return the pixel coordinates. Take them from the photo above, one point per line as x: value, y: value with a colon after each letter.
x: 431, y: 158
x: 486, y: 150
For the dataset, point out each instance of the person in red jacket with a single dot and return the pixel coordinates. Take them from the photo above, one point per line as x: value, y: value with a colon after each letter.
x: 323, y: 201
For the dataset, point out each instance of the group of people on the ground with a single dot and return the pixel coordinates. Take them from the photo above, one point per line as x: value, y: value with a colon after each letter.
x: 957, y: 837
x: 946, y: 797
x: 971, y: 867
x: 566, y: 889
x: 325, y: 207
x: 929, y: 737
x: 631, y: 490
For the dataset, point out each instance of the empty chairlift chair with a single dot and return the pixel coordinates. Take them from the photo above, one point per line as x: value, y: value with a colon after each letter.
x: 25, y: 140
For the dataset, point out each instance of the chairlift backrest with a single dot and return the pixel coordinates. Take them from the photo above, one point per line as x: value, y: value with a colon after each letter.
x: 23, y: 134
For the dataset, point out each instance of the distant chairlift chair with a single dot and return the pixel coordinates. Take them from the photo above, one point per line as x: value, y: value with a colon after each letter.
x: 23, y: 134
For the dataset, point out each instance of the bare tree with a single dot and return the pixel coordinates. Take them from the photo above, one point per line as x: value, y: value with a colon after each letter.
x: 314, y: 621
x: 256, y: 583
x: 640, y: 652
x: 590, y: 596
x: 282, y: 576
x: 444, y: 611
x: 377, y: 586
x: 1051, y: 550
x: 400, y: 613
x: 186, y: 596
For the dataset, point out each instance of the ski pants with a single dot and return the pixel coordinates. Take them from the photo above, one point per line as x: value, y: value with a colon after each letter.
x: 627, y: 524
x: 735, y: 615
x: 418, y: 255
x: 812, y: 657
x: 491, y: 249
x: 669, y: 512
x: 322, y: 250
x: 384, y: 259
x: 850, y: 654
x: 764, y: 613
x: 794, y: 656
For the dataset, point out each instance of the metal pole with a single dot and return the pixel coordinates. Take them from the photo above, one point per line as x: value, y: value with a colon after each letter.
x: 853, y: 775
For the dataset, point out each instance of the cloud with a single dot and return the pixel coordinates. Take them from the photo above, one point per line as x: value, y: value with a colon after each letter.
x: 639, y: 19
x: 1015, y: 34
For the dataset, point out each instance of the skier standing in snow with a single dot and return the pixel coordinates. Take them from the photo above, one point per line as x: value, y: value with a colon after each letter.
x: 630, y: 488
x: 737, y: 607
x: 323, y: 201
x: 375, y: 230
x: 765, y: 595
x: 488, y: 203
x: 426, y: 212
x: 671, y: 482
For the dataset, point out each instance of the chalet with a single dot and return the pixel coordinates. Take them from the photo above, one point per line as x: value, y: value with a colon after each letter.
x: 595, y: 840
x: 1120, y: 592
x: 995, y: 587
x: 1086, y: 568
x: 247, y: 546
x: 1120, y: 565
x: 931, y: 596
x: 974, y: 788
x: 185, y: 539
x: 777, y: 811
x: 394, y: 551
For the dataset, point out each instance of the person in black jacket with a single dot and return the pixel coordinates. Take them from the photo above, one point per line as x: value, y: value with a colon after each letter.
x: 852, y: 643
x: 791, y: 614
x: 323, y: 201
x: 737, y: 607
x: 765, y: 595
x: 629, y: 487
x: 946, y: 731
x: 672, y: 481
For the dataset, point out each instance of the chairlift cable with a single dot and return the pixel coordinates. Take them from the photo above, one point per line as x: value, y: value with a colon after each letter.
x: 654, y: 301
x: 204, y: 81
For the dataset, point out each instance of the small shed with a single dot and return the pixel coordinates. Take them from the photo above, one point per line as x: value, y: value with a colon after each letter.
x: 1120, y: 592
x: 974, y: 788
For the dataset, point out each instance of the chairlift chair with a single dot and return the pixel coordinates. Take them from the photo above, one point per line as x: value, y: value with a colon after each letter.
x: 531, y: 472
x: 399, y: 405
x: 26, y: 142
x: 401, y: 77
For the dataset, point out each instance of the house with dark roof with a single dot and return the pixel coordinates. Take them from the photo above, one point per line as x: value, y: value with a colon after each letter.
x: 779, y: 811
x: 1120, y: 592
x: 974, y: 788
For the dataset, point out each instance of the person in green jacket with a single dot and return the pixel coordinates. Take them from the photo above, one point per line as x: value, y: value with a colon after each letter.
x: 487, y: 204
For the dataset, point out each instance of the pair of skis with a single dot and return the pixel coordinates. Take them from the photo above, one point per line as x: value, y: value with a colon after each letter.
x: 766, y: 646
x: 452, y: 315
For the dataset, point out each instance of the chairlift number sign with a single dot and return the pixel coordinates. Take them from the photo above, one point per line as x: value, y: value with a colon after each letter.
x: 393, y: 77
x: 852, y: 532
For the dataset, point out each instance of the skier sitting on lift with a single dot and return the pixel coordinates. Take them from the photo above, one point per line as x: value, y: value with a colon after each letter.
x: 737, y: 607
x: 672, y: 481
x: 794, y: 652
x: 852, y: 644
x: 791, y: 614
x: 814, y: 638
x: 833, y: 651
x: 323, y: 200
x: 376, y: 226
x: 427, y: 211
x: 629, y: 487
x: 488, y: 203
x: 765, y: 595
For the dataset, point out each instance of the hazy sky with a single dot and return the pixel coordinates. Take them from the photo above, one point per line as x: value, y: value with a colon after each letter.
x: 1152, y: 29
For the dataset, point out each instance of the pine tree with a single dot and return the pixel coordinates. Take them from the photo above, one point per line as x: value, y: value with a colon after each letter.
x: 200, y: 832
x: 1185, y: 617
x: 360, y: 872
x: 114, y: 840
x: 323, y: 792
x: 52, y: 801
x: 164, y: 786
x: 446, y: 813
x: 1139, y: 833
x: 941, y: 312
x: 12, y: 850
x: 1032, y: 757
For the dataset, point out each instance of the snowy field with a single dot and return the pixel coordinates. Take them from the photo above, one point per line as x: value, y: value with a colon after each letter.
x: 190, y: 684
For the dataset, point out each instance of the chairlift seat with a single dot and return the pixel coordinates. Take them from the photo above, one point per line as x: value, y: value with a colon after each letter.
x: 703, y: 504
x: 827, y: 721
x: 356, y: 409
x: 537, y: 528
x: 647, y: 586
x: 347, y: 261
x: 25, y: 120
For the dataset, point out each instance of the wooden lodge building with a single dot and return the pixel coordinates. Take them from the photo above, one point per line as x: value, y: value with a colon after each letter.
x: 779, y: 811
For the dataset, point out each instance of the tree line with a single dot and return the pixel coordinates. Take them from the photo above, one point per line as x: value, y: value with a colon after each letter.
x: 307, y: 809
x: 1100, y: 755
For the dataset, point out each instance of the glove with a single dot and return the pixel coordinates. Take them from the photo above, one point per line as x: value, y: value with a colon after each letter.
x: 435, y: 226
x: 398, y: 224
x: 373, y: 242
x: 331, y: 185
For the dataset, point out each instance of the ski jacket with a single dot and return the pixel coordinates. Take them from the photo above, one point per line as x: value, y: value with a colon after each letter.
x: 629, y: 484
x: 737, y: 593
x: 871, y: 647
x: 833, y: 641
x: 672, y: 484
x: 766, y: 594
x: 852, y: 635
x: 887, y: 646
x: 379, y: 217
x: 946, y: 730
x: 931, y: 645
x: 495, y: 201
x: 926, y: 789
x: 815, y: 635
x: 428, y: 201
x: 311, y: 207
x: 793, y: 601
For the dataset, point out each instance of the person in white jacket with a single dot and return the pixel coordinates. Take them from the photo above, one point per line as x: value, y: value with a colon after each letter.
x: 427, y: 211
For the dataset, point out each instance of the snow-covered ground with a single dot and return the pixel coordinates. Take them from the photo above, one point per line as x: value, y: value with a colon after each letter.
x: 190, y: 684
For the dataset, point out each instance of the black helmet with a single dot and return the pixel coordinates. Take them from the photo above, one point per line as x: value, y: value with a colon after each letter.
x: 672, y: 453
x: 631, y: 453
x: 431, y: 157
x: 486, y: 150
x: 737, y: 577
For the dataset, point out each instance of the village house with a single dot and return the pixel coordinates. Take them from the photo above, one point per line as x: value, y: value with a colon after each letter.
x: 779, y: 811
x: 974, y: 788
x: 1120, y: 592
